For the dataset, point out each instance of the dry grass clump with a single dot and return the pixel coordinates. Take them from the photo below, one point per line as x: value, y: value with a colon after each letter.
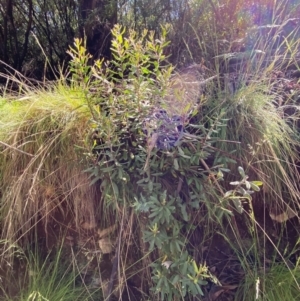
x: 41, y: 175
x: 268, y: 145
x: 277, y: 283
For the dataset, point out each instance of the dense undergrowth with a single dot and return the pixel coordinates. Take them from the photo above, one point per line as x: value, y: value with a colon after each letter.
x: 144, y: 208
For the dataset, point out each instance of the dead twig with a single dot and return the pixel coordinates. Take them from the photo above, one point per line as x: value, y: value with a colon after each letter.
x: 16, y: 149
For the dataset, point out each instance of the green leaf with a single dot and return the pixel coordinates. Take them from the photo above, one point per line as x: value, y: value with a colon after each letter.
x: 241, y: 190
x: 192, y: 288
x: 115, y: 189
x: 154, y: 213
x: 247, y: 184
x: 196, y: 269
x: 199, y: 290
x: 175, y: 280
x: 241, y: 171
x: 202, y: 282
x: 140, y: 181
x: 176, y: 166
x: 228, y: 160
x: 150, y: 186
x: 184, y: 213
x: 94, y: 180
x: 247, y: 196
x: 254, y: 187
x: 159, y: 283
x: 107, y: 169
x: 257, y: 183
x: 184, y: 268
x: 228, y: 193
x: 220, y: 175
x: 238, y: 205
x: 182, y: 154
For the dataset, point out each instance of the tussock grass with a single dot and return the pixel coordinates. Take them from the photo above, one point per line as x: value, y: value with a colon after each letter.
x: 48, y: 279
x: 41, y: 170
x: 277, y: 283
x: 268, y: 147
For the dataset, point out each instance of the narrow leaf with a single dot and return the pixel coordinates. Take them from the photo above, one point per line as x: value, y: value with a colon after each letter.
x: 257, y: 183
x: 241, y: 171
x: 176, y: 166
x: 248, y: 185
x: 254, y: 187
x: 115, y: 189
x: 238, y: 205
